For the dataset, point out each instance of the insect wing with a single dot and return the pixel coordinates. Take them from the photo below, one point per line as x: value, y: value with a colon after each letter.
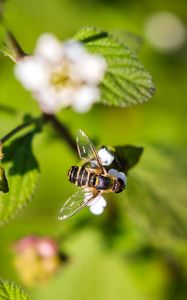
x: 76, y: 202
x: 87, y: 150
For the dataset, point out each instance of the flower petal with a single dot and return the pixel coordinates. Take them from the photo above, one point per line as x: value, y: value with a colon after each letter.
x: 85, y: 66
x: 51, y: 100
x: 46, y: 247
x: 97, y: 205
x: 105, y: 156
x: 25, y: 243
x: 84, y: 98
x: 49, y: 48
x: 32, y: 72
x: 73, y: 51
x: 91, y: 68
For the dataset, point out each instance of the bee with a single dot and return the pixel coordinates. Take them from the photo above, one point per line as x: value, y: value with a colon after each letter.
x: 92, y: 178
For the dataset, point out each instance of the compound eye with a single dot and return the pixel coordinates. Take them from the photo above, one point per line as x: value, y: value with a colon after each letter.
x: 121, y: 182
x: 119, y: 186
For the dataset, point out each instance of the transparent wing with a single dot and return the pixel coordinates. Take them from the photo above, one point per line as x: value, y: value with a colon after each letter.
x: 76, y: 202
x: 87, y: 150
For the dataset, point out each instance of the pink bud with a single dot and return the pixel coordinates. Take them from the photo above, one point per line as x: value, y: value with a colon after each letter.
x: 46, y: 247
x: 25, y: 243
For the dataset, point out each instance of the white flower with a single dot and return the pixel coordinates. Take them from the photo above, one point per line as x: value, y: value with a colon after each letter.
x: 61, y: 75
x: 97, y: 205
x: 105, y: 156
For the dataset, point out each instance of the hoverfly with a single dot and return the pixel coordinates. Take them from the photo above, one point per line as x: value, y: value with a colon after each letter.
x: 92, y: 179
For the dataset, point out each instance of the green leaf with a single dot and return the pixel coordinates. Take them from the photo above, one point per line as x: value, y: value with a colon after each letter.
x: 22, y: 174
x: 156, y: 194
x: 126, y: 82
x: 2, y: 4
x: 125, y: 157
x: 128, y: 156
x: 11, y: 291
x: 134, y: 42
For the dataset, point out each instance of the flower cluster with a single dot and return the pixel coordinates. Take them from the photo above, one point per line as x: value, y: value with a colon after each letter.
x: 99, y: 203
x: 36, y: 259
x: 61, y: 75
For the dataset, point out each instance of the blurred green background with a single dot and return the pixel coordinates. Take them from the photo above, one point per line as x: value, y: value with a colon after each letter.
x: 137, y: 248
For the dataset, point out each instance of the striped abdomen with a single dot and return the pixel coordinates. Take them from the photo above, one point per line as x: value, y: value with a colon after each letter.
x: 81, y: 176
x: 90, y: 178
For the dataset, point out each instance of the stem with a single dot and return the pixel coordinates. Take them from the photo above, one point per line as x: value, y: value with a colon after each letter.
x: 62, y: 130
x: 15, y: 46
x: 17, y: 129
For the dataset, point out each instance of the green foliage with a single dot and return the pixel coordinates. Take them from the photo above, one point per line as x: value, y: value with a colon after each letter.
x: 156, y: 188
x: 22, y: 173
x: 126, y: 157
x: 11, y: 291
x: 156, y: 194
x: 1, y: 9
x: 2, y: 36
x: 132, y: 41
x: 126, y: 82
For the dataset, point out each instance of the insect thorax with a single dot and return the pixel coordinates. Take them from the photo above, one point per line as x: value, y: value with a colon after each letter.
x: 103, y: 183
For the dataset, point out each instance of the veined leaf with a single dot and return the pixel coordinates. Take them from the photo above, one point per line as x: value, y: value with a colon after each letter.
x: 11, y: 291
x: 134, y: 42
x: 126, y: 82
x: 127, y: 156
x: 156, y: 195
x: 22, y: 173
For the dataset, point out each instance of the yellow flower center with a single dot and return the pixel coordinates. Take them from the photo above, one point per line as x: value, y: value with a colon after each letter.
x: 61, y: 78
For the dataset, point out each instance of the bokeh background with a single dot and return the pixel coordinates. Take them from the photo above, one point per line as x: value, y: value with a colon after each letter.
x: 137, y: 248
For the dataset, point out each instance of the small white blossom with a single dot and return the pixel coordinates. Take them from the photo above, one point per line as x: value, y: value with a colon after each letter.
x: 105, y: 156
x: 97, y: 205
x: 61, y: 75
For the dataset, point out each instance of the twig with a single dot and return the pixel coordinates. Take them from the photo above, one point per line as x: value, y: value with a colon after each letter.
x: 15, y: 46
